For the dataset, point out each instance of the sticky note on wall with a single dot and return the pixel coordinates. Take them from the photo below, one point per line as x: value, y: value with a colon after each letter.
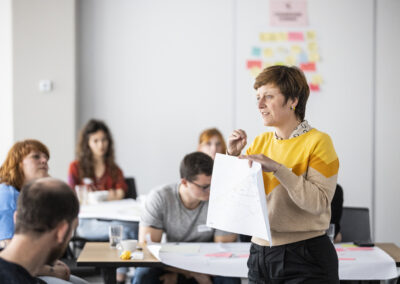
x: 295, y: 36
x: 256, y: 51
x: 308, y: 66
x: 254, y: 63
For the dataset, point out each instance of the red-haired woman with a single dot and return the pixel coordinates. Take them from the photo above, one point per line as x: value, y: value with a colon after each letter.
x: 25, y: 162
x: 211, y: 142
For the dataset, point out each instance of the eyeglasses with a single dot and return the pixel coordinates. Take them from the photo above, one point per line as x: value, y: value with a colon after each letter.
x: 203, y: 187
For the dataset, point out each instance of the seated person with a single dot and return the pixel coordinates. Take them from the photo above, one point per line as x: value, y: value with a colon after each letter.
x: 211, y: 142
x: 180, y: 210
x: 96, y: 163
x: 25, y: 162
x: 42, y: 231
x: 336, y: 212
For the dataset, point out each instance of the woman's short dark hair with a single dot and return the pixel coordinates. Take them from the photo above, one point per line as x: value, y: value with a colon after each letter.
x: 291, y: 82
x: 194, y: 164
x: 84, y: 154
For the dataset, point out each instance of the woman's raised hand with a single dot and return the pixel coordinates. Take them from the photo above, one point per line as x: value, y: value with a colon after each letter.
x: 236, y: 142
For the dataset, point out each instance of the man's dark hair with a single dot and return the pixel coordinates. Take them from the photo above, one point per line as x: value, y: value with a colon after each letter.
x: 194, y: 164
x: 43, y: 204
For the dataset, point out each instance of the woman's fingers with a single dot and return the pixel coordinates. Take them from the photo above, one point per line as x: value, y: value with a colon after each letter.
x: 267, y: 164
x: 240, y: 133
x: 254, y: 158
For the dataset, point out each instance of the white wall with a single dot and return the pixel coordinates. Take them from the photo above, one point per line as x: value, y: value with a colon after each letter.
x: 158, y: 73
x: 6, y: 121
x: 387, y: 187
x: 44, y: 48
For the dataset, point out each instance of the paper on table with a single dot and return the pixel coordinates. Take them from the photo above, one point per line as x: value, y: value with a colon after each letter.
x: 182, y: 247
x: 210, y: 259
x: 237, y: 198
x: 356, y: 263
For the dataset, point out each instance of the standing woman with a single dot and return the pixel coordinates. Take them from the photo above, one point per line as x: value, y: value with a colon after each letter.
x: 211, y: 142
x: 300, y: 168
x: 25, y: 162
x: 95, y: 161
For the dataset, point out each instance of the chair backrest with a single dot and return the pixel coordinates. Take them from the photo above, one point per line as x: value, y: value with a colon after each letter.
x: 130, y: 181
x: 355, y: 224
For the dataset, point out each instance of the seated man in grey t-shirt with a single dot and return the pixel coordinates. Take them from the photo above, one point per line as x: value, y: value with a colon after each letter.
x: 180, y: 210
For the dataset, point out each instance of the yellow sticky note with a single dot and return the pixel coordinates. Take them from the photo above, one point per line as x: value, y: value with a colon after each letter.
x: 313, y: 46
x: 255, y: 71
x: 267, y: 64
x: 282, y: 50
x: 267, y: 37
x: 279, y: 63
x: 290, y: 60
x: 268, y: 52
x: 295, y: 49
x: 282, y: 36
x: 348, y: 246
x: 313, y: 57
x: 316, y: 79
x: 311, y: 35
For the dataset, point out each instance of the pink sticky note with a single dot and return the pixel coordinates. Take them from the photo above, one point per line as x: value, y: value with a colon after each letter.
x: 254, y: 63
x: 295, y: 36
x: 220, y: 254
x: 347, y: 258
x: 308, y: 66
x: 314, y: 87
x: 340, y: 249
x: 360, y: 248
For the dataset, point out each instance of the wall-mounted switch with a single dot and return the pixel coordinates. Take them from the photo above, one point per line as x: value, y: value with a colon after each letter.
x: 45, y: 86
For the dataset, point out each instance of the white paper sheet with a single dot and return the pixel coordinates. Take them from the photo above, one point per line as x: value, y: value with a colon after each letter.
x: 123, y: 210
x: 364, y: 263
x: 237, y: 199
x: 228, y: 260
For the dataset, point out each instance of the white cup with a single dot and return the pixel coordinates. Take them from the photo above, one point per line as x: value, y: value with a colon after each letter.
x: 82, y: 193
x: 129, y: 245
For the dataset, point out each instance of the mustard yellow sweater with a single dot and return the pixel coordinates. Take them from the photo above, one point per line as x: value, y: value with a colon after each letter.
x: 299, y: 193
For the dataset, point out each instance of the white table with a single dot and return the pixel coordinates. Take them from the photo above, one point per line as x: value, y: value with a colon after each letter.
x: 122, y: 210
x: 230, y: 259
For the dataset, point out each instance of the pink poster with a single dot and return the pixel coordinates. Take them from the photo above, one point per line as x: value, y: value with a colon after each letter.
x: 288, y: 13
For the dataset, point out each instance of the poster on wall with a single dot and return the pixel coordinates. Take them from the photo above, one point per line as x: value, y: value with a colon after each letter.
x: 289, y: 41
x: 288, y: 13
x: 298, y: 47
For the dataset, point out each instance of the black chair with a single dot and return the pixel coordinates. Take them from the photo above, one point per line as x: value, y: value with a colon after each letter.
x: 355, y: 225
x: 131, y: 193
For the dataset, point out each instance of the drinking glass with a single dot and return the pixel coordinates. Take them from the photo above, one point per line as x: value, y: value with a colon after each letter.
x: 331, y: 232
x: 115, y: 235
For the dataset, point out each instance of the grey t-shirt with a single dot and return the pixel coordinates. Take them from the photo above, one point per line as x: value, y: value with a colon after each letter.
x: 164, y: 210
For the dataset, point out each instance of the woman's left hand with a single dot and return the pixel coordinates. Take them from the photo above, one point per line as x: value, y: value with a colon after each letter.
x: 267, y: 164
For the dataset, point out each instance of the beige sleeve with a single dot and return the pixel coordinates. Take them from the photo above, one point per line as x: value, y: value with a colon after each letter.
x: 312, y: 193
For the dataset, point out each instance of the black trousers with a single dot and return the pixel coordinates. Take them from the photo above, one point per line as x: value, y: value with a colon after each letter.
x: 309, y: 261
